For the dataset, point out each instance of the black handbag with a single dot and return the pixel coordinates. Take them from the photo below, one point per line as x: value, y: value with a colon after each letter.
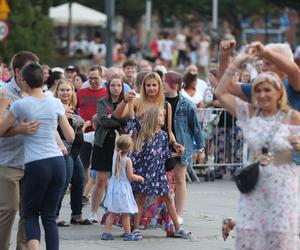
x: 170, y: 163
x: 246, y: 178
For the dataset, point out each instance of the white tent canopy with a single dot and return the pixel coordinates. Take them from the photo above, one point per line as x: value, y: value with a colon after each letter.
x: 81, y: 15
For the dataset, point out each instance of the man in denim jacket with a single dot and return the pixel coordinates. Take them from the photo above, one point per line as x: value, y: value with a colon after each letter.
x: 187, y: 130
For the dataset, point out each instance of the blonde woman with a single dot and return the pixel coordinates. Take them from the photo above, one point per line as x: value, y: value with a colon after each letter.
x: 268, y: 215
x: 151, y: 95
x: 74, y: 168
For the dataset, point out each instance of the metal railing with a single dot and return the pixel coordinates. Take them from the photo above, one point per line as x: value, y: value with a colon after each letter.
x: 225, y: 148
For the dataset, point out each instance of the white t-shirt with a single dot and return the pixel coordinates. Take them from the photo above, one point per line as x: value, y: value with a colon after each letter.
x: 201, y: 87
x: 48, y: 110
x: 165, y: 48
x: 89, y: 137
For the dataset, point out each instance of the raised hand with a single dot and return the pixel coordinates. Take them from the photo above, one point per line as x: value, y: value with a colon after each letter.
x: 227, y: 47
x: 243, y: 57
x: 129, y: 96
x: 258, y: 48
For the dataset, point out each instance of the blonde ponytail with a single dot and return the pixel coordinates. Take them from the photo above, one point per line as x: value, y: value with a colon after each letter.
x: 118, y: 166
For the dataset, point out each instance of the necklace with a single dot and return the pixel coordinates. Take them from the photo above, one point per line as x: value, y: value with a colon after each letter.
x: 272, y: 117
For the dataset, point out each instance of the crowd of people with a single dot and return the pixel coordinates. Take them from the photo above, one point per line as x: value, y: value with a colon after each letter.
x: 127, y: 134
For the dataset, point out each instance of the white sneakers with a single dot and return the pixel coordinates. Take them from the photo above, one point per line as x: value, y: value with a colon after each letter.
x: 93, y: 217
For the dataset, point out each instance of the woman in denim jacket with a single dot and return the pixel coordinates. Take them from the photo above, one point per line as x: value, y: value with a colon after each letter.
x: 187, y: 131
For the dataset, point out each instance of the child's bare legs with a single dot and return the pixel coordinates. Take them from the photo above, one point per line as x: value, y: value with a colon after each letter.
x: 109, y: 222
x: 140, y: 201
x: 171, y: 210
x: 126, y: 223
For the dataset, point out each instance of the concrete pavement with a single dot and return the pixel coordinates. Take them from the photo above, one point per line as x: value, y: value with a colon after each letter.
x: 207, y: 204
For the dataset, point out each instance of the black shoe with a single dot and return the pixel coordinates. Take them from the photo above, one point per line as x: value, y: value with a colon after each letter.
x: 81, y: 222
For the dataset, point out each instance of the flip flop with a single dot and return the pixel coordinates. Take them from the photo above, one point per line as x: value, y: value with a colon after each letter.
x: 81, y: 222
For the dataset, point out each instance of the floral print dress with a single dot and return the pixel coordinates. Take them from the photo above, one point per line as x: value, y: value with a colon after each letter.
x: 267, y: 216
x: 150, y: 163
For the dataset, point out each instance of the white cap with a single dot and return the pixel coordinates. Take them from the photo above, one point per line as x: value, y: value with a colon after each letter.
x: 58, y: 69
x: 161, y: 68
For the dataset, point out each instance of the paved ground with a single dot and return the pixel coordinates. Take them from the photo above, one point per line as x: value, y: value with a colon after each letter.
x: 207, y: 204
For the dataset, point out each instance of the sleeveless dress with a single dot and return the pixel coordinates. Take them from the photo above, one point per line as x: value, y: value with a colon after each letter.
x: 119, y: 197
x: 267, y: 217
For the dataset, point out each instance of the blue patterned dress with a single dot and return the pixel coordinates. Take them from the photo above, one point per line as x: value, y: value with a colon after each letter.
x: 150, y: 163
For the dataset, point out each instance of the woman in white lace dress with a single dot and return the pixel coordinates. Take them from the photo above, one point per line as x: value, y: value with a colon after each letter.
x: 267, y: 216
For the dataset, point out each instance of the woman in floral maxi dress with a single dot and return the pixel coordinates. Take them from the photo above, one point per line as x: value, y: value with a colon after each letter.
x: 267, y: 216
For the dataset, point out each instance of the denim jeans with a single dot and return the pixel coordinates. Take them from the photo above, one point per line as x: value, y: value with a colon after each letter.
x: 75, y: 176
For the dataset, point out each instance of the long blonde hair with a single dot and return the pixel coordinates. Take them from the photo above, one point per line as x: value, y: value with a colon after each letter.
x: 160, y: 98
x: 123, y: 145
x: 73, y: 101
x: 273, y: 79
x: 148, y: 128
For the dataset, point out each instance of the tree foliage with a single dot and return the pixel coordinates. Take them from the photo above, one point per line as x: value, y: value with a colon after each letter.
x: 132, y: 10
x: 30, y: 29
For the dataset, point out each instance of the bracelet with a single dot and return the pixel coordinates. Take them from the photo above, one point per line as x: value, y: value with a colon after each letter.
x: 201, y: 150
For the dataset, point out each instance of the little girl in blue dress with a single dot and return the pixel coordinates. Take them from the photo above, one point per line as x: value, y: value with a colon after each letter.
x: 119, y: 198
x: 150, y: 153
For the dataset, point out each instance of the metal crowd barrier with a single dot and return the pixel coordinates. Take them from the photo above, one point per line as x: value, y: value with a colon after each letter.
x: 225, y: 149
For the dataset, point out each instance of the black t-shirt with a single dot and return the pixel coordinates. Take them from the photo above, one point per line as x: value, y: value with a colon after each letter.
x: 230, y: 120
x: 78, y: 140
x: 173, y: 102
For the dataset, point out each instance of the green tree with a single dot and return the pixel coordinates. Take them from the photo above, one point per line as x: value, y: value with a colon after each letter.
x: 30, y: 29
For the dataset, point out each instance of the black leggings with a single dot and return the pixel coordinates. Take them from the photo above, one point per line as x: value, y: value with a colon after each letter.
x: 43, y: 184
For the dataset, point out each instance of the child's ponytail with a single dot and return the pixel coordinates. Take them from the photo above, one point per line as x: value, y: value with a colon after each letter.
x: 123, y: 145
x: 118, y: 165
